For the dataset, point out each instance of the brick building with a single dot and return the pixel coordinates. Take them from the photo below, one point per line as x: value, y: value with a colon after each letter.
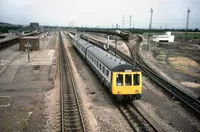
x: 32, y: 40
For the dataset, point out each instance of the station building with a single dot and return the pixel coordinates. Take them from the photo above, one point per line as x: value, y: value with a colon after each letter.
x: 31, y: 41
x: 167, y: 37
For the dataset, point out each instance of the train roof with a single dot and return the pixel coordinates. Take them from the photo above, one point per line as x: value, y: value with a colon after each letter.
x: 84, y: 43
x: 110, y: 61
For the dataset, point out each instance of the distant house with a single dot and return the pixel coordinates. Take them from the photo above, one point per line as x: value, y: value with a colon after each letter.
x: 31, y: 41
x: 167, y: 37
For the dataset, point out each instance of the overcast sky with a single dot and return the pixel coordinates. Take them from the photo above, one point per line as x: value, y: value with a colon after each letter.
x: 102, y: 13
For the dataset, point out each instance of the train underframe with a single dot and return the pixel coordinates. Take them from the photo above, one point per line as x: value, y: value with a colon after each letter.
x: 128, y: 98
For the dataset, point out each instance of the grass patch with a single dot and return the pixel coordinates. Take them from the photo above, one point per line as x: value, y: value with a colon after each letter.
x: 193, y: 35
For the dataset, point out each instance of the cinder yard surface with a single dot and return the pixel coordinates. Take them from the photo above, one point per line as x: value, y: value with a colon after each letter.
x: 23, y: 86
x: 179, y: 62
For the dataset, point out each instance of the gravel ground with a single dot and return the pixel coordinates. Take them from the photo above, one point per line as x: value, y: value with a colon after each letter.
x: 24, y: 112
x: 52, y: 108
x: 162, y: 110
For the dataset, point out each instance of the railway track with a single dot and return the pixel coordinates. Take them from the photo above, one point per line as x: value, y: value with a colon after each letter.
x: 71, y: 116
x: 191, y: 102
x: 136, y: 120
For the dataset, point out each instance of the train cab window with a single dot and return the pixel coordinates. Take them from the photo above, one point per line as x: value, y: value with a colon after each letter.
x: 119, y: 79
x: 136, y: 79
x: 128, y: 79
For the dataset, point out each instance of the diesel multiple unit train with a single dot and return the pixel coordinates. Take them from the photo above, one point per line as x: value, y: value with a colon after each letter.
x: 121, y: 78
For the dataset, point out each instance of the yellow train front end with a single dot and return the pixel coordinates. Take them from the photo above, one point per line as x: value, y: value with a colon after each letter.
x: 127, y: 85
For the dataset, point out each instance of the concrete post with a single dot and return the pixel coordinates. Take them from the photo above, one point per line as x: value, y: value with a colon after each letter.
x: 28, y: 52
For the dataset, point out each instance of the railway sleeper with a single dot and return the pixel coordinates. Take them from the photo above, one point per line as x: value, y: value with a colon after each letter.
x: 65, y: 110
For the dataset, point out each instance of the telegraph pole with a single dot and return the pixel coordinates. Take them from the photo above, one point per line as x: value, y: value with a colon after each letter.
x: 116, y: 40
x: 28, y: 51
x: 130, y: 22
x: 187, y: 23
x: 150, y: 28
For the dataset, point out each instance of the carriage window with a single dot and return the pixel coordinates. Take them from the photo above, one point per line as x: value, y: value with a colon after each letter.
x: 97, y: 63
x: 136, y: 79
x: 128, y: 78
x: 103, y: 69
x: 92, y: 59
x: 100, y: 66
x: 119, y: 79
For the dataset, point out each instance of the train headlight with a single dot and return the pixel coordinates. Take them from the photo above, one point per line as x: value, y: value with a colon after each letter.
x: 136, y: 91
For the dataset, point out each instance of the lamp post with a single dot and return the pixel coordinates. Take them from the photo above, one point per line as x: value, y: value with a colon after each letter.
x: 44, y: 39
x: 28, y: 52
x: 27, y: 45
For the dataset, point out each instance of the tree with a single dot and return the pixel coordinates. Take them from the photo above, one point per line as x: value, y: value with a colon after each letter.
x: 196, y: 30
